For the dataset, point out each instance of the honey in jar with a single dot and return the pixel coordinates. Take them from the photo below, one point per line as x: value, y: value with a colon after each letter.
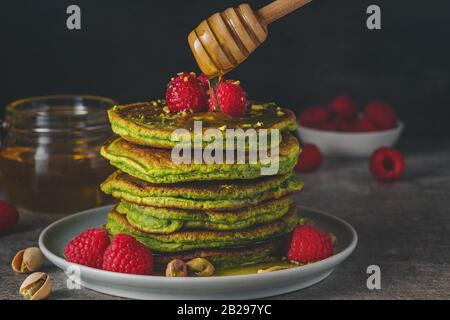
x: 49, y: 157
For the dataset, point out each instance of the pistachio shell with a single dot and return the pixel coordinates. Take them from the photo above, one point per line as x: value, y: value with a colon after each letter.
x: 17, y: 261
x: 176, y: 268
x: 31, y: 258
x: 201, y: 266
x: 43, y: 289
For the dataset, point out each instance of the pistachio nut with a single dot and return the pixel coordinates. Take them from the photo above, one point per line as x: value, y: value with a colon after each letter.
x: 176, y: 268
x: 27, y: 260
x: 201, y: 266
x: 37, y: 286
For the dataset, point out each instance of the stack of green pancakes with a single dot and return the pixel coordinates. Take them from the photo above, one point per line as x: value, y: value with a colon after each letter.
x: 229, y: 213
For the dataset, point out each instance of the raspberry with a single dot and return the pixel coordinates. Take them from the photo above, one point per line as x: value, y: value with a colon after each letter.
x: 8, y: 217
x: 381, y: 115
x: 344, y: 107
x: 88, y: 248
x: 312, y: 117
x: 309, y: 244
x: 229, y: 97
x: 186, y: 92
x: 122, y: 239
x: 387, y: 164
x: 310, y: 159
x: 364, y: 125
x: 126, y: 255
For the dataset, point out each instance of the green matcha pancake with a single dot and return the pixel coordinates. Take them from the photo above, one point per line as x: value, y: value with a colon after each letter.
x: 152, y: 124
x: 207, y: 195
x: 203, y: 239
x: 156, y: 166
x: 169, y: 220
x: 228, y: 258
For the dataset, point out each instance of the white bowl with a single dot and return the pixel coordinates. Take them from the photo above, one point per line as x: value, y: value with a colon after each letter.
x: 349, y: 144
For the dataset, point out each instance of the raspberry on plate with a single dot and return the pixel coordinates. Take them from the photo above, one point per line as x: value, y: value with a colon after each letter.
x: 309, y: 160
x: 126, y: 255
x: 343, y: 107
x: 229, y: 97
x: 381, y: 115
x: 312, y: 117
x: 88, y: 248
x: 309, y: 244
x: 387, y: 164
x: 186, y: 92
x: 8, y: 217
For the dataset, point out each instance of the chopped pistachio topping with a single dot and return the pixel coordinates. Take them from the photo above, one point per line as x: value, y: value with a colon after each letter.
x: 166, y: 109
x: 258, y: 107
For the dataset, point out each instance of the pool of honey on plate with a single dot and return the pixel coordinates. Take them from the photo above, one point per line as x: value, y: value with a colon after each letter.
x: 49, y: 155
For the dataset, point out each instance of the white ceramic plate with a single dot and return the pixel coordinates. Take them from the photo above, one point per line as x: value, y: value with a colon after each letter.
x: 53, y: 239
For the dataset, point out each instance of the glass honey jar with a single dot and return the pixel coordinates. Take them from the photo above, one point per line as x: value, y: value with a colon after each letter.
x: 49, y: 156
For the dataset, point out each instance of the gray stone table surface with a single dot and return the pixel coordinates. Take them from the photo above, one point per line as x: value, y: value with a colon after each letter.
x: 403, y: 227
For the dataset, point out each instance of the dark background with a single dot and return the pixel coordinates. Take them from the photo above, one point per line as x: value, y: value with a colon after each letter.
x: 128, y: 50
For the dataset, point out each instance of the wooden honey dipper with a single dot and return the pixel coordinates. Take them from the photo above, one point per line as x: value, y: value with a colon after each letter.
x: 227, y: 38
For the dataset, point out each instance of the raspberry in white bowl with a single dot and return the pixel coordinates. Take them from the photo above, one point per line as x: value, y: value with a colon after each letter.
x: 338, y: 130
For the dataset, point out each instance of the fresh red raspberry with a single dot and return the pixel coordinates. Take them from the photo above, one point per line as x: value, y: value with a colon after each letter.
x: 123, y: 239
x: 387, y: 164
x: 229, y: 97
x: 381, y: 115
x: 343, y: 107
x: 88, y: 248
x: 126, y: 255
x: 185, y: 92
x: 312, y: 117
x: 364, y: 125
x: 8, y: 217
x: 309, y: 160
x: 309, y: 244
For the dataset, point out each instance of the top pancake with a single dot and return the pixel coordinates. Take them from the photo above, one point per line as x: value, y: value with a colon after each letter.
x: 152, y: 124
x: 156, y: 166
